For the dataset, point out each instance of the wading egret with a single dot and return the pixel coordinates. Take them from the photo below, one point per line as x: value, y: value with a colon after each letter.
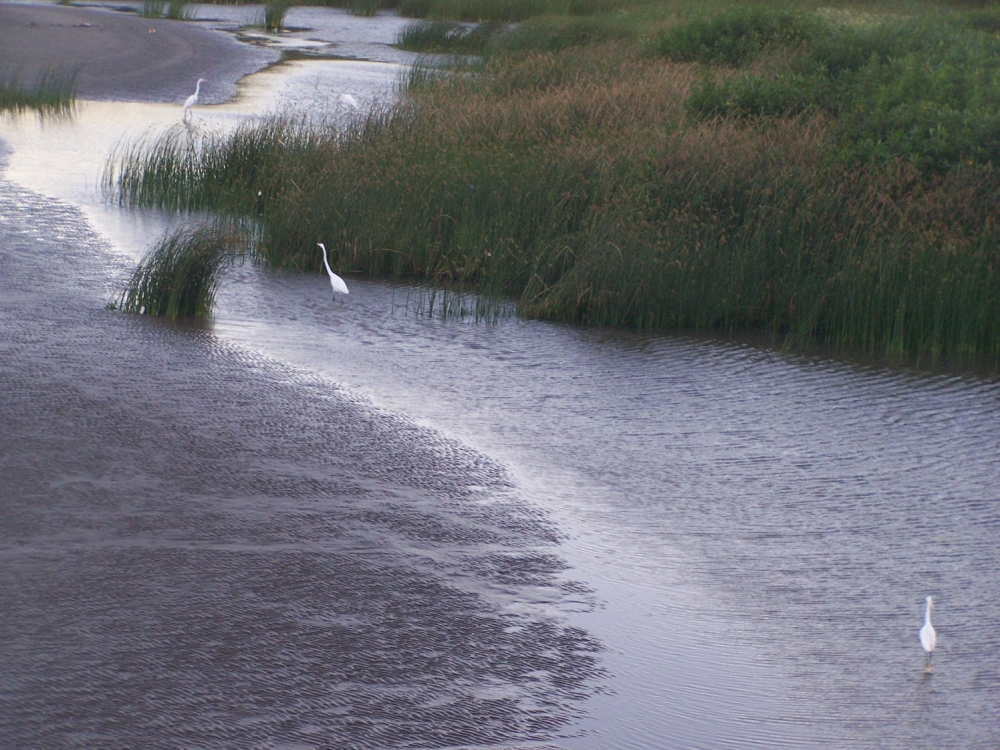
x: 192, y: 100
x: 928, y: 638
x: 339, y: 287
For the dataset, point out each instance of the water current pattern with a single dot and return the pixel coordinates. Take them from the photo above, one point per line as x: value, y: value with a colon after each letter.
x: 201, y: 548
x: 358, y: 526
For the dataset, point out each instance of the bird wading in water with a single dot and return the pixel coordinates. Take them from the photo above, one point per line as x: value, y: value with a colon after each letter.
x: 928, y: 638
x: 192, y: 100
x: 339, y: 287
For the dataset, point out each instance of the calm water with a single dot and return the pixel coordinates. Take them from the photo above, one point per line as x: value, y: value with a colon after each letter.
x: 679, y: 543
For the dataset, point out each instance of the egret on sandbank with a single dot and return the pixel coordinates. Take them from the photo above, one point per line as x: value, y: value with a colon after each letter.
x: 192, y: 100
x: 928, y: 638
x: 335, y: 281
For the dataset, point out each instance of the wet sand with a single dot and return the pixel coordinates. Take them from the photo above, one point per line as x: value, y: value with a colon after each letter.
x: 202, y: 547
x: 199, y: 547
x: 122, y: 57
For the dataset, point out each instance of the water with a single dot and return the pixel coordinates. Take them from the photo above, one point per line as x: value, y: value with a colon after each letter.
x: 733, y: 543
x: 775, y: 521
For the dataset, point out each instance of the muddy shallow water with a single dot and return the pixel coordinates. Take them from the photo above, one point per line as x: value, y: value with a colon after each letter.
x: 352, y: 525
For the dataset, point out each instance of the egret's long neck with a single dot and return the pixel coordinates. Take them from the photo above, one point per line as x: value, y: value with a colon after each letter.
x: 197, y: 89
x: 927, y: 617
x: 327, y: 264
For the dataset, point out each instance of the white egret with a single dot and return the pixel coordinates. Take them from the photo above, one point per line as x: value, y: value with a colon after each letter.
x: 928, y: 638
x: 335, y: 281
x: 192, y: 100
x: 349, y: 101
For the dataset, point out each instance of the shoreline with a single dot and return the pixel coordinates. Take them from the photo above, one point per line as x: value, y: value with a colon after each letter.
x: 123, y: 57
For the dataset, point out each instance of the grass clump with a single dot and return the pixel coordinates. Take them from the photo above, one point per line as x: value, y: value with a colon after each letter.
x: 54, y: 92
x: 274, y: 14
x: 447, y: 37
x: 177, y: 10
x: 179, y: 277
x: 598, y: 183
x: 153, y: 8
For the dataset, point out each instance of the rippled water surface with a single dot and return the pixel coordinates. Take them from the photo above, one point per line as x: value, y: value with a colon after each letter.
x: 773, y: 521
x: 513, y: 534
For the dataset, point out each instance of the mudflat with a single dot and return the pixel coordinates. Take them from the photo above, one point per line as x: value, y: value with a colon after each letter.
x: 122, y: 57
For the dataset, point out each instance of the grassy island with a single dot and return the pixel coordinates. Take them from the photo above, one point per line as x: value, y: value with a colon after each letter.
x: 829, y: 173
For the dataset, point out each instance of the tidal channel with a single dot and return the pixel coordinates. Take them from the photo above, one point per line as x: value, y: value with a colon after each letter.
x: 362, y: 525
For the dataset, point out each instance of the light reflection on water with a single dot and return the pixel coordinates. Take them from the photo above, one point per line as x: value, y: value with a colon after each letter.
x: 64, y: 157
x: 760, y: 530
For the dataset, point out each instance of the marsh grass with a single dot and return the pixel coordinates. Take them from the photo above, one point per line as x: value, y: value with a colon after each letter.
x: 496, y: 37
x: 153, y: 8
x: 54, y: 92
x: 178, y: 10
x: 454, y: 304
x: 274, y: 14
x: 178, y: 279
x: 447, y: 37
x: 577, y: 184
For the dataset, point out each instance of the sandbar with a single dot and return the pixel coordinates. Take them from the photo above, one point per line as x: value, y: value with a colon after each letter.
x: 123, y: 57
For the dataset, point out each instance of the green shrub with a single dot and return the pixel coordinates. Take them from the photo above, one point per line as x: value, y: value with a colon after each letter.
x: 923, y: 90
x: 739, y: 35
x: 754, y: 95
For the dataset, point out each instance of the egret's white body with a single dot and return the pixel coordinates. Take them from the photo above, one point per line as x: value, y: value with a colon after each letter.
x: 339, y: 287
x: 928, y: 638
x: 349, y: 101
x: 193, y: 99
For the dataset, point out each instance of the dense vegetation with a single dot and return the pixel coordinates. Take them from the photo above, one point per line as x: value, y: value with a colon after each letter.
x: 828, y: 175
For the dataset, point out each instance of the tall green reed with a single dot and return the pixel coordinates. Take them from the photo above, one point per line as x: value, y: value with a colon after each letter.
x: 54, y: 92
x: 178, y: 10
x: 153, y: 8
x: 274, y: 14
x: 179, y: 277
